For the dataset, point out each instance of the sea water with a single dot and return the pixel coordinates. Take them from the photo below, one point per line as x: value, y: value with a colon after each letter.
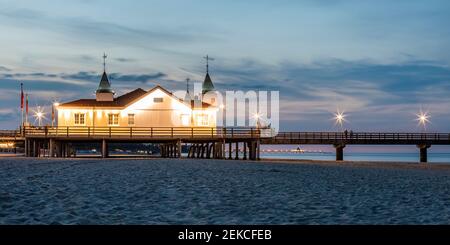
x: 390, y: 157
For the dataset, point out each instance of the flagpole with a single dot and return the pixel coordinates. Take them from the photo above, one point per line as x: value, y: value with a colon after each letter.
x: 21, y: 103
x: 26, y: 110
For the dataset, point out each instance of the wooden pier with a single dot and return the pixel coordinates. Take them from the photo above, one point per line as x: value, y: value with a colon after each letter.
x: 217, y: 143
x: 339, y: 140
x: 204, y: 142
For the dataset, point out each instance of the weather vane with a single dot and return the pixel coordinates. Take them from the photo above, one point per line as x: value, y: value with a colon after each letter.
x: 104, y: 61
x: 207, y: 58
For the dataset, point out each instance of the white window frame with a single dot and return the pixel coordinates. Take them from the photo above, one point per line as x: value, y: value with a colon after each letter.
x: 111, y: 119
x: 200, y: 119
x: 81, y: 119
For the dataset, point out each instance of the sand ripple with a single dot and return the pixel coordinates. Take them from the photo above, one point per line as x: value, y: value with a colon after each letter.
x: 160, y: 191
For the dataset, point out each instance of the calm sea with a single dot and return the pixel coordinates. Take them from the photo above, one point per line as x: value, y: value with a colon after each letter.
x: 394, y: 157
x: 350, y: 156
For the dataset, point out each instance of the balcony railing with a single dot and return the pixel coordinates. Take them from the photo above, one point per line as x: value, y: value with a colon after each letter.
x: 143, y: 132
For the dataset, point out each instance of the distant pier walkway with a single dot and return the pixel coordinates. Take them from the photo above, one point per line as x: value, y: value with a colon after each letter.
x: 207, y: 142
x: 340, y: 139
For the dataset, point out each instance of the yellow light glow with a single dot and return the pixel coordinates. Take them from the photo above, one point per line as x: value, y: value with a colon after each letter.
x: 7, y: 145
x: 39, y: 115
x: 423, y: 118
x: 339, y: 118
x: 66, y: 114
x: 185, y: 119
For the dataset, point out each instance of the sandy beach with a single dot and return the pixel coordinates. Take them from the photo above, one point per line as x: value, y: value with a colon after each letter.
x: 191, y: 191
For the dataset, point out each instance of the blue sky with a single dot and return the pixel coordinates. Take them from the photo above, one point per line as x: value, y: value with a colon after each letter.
x: 380, y: 61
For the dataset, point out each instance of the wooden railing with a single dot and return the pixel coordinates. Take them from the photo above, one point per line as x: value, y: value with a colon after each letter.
x: 358, y: 137
x: 10, y: 133
x: 235, y: 132
x: 143, y: 132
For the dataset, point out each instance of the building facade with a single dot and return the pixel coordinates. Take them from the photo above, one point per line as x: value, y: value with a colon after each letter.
x: 156, y: 107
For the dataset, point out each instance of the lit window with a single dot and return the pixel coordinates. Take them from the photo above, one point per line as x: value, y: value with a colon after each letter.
x: 158, y: 100
x: 185, y: 119
x: 79, y: 119
x: 113, y: 119
x: 130, y: 119
x: 202, y: 120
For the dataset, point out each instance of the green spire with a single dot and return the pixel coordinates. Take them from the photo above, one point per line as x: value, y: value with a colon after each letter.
x: 104, y: 86
x: 207, y: 84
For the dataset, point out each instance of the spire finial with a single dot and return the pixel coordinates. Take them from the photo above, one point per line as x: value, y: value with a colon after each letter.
x: 187, y: 85
x: 207, y: 58
x: 104, y: 62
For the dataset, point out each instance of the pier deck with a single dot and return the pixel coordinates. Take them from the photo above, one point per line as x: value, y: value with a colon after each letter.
x: 211, y: 142
x: 357, y: 138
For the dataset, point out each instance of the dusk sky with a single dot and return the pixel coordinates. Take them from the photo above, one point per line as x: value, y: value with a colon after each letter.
x: 379, y: 61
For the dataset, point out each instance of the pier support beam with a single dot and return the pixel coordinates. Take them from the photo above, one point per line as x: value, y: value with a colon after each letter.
x: 237, y: 151
x: 209, y: 150
x: 193, y: 150
x: 179, y: 148
x: 423, y: 152
x: 105, y: 152
x: 245, y: 151
x: 26, y: 148
x: 339, y: 152
x: 258, y: 150
x: 51, y: 148
x: 252, y: 150
x: 34, y: 154
x: 58, y: 152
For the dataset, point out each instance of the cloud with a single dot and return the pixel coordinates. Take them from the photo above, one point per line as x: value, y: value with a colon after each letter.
x: 7, y: 114
x: 125, y: 60
x: 104, y: 32
x: 85, y: 78
x: 143, y: 78
x: 376, y: 95
x: 2, y: 68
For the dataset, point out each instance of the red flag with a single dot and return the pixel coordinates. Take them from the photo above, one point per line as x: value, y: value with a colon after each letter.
x: 21, y: 95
